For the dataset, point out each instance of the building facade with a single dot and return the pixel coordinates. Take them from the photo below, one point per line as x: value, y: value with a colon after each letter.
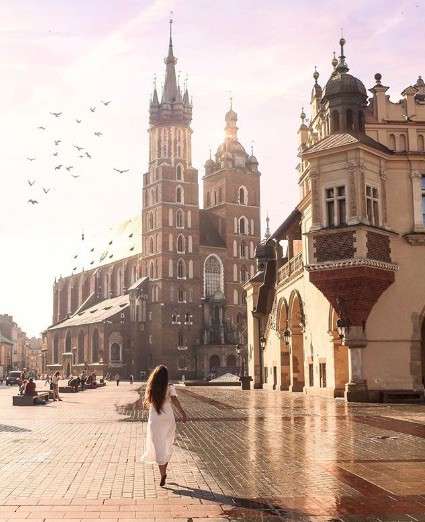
x: 337, y: 308
x: 165, y: 287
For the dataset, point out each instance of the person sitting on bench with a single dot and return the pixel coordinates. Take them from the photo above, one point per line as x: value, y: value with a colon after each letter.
x: 74, y: 382
x: 30, y: 388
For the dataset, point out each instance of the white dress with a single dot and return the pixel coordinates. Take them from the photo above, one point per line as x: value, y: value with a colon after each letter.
x: 160, y: 432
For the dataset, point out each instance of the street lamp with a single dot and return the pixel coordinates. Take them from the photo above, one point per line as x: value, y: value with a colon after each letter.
x: 287, y: 336
x: 343, y: 327
x: 263, y: 341
x: 241, y: 353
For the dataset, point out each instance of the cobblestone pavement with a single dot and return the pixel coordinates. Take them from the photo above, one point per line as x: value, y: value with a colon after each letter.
x: 255, y: 455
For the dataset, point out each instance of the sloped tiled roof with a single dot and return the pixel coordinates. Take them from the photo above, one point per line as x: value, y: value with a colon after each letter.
x: 343, y: 139
x: 5, y: 340
x: 106, y: 246
x: 209, y: 234
x: 96, y: 313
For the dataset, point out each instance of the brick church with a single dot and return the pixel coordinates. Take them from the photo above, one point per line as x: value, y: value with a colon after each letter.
x: 166, y: 286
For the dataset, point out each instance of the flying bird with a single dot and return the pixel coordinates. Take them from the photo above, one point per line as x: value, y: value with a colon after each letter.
x: 46, y: 190
x: 78, y: 121
x: 69, y: 168
x: 41, y: 127
x: 33, y: 201
x: 82, y: 156
x: 31, y: 183
x: 106, y: 103
x: 75, y: 175
x: 77, y: 147
x: 58, y: 167
x: 88, y: 155
x: 98, y: 134
x: 121, y: 171
x: 55, y: 154
x: 57, y: 114
x: 92, y: 109
x: 57, y: 142
x: 31, y: 159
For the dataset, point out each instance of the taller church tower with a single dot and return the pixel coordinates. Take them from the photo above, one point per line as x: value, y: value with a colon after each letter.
x: 170, y: 218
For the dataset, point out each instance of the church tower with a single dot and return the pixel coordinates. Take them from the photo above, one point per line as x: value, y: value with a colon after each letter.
x: 170, y: 218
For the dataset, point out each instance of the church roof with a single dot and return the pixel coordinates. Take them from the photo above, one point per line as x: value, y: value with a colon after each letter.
x: 96, y: 313
x: 109, y: 245
x: 343, y: 139
x: 209, y: 234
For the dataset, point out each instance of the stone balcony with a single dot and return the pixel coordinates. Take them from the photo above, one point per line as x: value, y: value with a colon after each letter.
x: 291, y: 269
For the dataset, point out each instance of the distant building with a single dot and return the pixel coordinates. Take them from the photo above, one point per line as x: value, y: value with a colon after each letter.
x: 165, y: 286
x: 338, y: 308
x: 11, y: 330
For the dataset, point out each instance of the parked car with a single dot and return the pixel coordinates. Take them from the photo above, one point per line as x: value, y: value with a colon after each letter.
x: 13, y: 377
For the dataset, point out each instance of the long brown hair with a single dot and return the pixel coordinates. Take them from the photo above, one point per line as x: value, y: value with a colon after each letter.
x: 156, y: 388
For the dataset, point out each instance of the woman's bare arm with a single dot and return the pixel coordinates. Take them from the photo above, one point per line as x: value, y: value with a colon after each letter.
x: 177, y: 404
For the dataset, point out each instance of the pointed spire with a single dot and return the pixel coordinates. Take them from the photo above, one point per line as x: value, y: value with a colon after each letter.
x: 252, y: 147
x: 302, y: 116
x: 342, y: 66
x: 171, y: 93
x: 267, y: 232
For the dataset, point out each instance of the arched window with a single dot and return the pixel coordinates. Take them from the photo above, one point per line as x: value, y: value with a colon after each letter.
x: 164, y: 143
x: 170, y: 268
x: 208, y: 199
x: 145, y: 198
x: 179, y: 195
x: 235, y: 273
x: 214, y: 362
x: 335, y: 121
x: 180, y: 295
x: 55, y: 349
x: 243, y: 196
x: 189, y: 219
x: 403, y: 142
x: 95, y: 346
x: 187, y: 317
x: 153, y: 196
x: 235, y: 297
x: 243, y: 225
x: 349, y: 116
x: 190, y: 294
x: 244, y: 249
x: 220, y: 196
x: 190, y: 269
x: 181, y: 339
x: 180, y: 244
x: 115, y: 352
x: 105, y: 285
x: 80, y: 347
x: 244, y: 274
x: 174, y: 317
x: 421, y: 143
x: 235, y: 225
x: 151, y: 220
x: 170, y: 242
x: 391, y: 141
x: 156, y: 269
x: 151, y: 246
x: 181, y: 269
x: 215, y: 197
x: 189, y: 244
x: 179, y: 173
x: 68, y: 347
x: 180, y: 218
x: 133, y: 274
x: 151, y: 270
x: 231, y: 361
x: 170, y: 217
x: 235, y: 248
x: 213, y: 275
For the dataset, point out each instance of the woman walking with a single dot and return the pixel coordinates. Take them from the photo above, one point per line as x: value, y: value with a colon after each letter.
x: 161, y: 423
x: 55, y: 382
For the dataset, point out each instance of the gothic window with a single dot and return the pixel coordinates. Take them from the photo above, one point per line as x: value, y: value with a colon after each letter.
x: 191, y: 294
x: 215, y: 197
x: 179, y: 173
x: 151, y: 249
x: 187, y: 317
x: 243, y: 225
x: 208, y: 199
x: 190, y: 245
x: 180, y: 218
x: 133, y: 274
x: 189, y: 219
x: 118, y: 282
x: 80, y: 347
x: 421, y: 143
x: 145, y: 198
x: 164, y: 143
x: 153, y: 196
x: 336, y: 212
x: 156, y: 243
x: 235, y: 248
x: 151, y: 270
x: 181, y: 269
x: 115, y: 353
x: 243, y: 196
x: 213, y: 275
x: 391, y: 141
x: 244, y: 274
x: 174, y: 317
x: 156, y: 269
x: 181, y: 339
x: 180, y: 296
x: 243, y: 297
x: 235, y: 273
x: 170, y: 217
x: 55, y: 349
x: 105, y: 285
x: 244, y: 249
x: 95, y: 346
x: 403, y: 142
x: 172, y: 294
x: 220, y: 197
x: 235, y: 297
x: 180, y: 244
x: 156, y: 194
x: 372, y: 205
x: 170, y: 268
x: 151, y: 221
x: 235, y: 225
x: 170, y: 242
x: 190, y: 269
x: 179, y: 195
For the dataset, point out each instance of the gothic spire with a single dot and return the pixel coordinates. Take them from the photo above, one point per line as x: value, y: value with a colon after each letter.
x: 171, y: 92
x: 267, y: 232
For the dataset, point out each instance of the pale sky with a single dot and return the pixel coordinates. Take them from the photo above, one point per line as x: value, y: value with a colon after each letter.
x: 68, y: 55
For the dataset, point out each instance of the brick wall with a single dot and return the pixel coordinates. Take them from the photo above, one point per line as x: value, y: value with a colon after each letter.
x: 378, y: 247
x: 334, y: 246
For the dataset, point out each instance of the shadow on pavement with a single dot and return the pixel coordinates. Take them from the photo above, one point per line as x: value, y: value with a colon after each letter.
x: 12, y: 429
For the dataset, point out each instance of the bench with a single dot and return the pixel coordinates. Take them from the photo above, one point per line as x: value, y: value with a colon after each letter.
x: 66, y: 389
x: 30, y: 400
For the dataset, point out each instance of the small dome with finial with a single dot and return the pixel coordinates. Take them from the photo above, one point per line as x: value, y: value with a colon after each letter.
x: 302, y: 115
x: 315, y: 74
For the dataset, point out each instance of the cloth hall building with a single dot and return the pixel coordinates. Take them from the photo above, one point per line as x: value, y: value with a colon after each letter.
x: 337, y: 308
x: 165, y: 287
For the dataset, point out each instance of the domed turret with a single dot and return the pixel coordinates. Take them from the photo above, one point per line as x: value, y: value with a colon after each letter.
x: 264, y: 252
x: 210, y: 166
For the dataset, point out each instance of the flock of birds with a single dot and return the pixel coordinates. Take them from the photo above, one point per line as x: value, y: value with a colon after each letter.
x: 81, y: 153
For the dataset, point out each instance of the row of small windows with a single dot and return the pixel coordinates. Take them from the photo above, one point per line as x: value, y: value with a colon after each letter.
x: 80, y: 353
x: 242, y: 274
x: 241, y: 226
x: 336, y: 206
x: 241, y: 249
x: 187, y: 318
x: 215, y: 197
x: 164, y: 150
x: 152, y: 176
x: 399, y: 142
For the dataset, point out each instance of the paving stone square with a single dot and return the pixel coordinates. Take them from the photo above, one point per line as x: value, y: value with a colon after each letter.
x: 242, y: 455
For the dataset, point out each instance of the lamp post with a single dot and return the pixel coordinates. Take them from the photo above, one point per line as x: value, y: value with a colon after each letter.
x: 241, y: 353
x: 244, y: 379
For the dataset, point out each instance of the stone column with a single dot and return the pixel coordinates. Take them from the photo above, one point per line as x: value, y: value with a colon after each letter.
x: 418, y: 224
x: 356, y: 388
x: 383, y: 176
x: 352, y: 207
x: 315, y: 198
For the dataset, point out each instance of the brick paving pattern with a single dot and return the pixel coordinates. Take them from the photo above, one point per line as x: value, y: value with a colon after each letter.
x: 256, y: 455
